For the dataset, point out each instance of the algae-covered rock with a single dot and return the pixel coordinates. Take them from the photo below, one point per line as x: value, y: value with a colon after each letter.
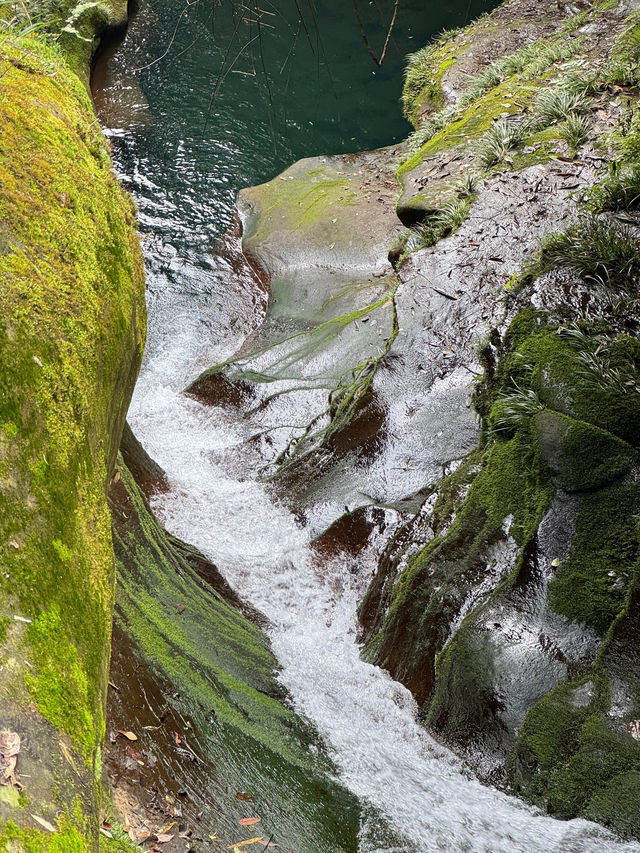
x: 220, y: 674
x: 581, y: 456
x: 71, y: 336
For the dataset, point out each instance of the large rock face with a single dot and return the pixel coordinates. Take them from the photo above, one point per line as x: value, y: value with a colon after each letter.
x: 493, y: 422
x: 213, y: 672
x: 71, y: 337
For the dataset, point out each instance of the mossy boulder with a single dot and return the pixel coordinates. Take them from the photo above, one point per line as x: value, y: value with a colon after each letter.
x: 581, y: 456
x: 71, y: 337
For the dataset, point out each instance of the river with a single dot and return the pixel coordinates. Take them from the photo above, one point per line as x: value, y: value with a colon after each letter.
x: 193, y: 116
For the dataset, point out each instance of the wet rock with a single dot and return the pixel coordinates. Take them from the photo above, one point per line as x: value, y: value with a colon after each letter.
x: 196, y: 680
x: 581, y: 456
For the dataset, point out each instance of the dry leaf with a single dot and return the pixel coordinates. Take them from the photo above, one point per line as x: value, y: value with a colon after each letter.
x: 248, y: 821
x: 128, y: 735
x: 634, y: 729
x: 9, y: 749
x: 245, y: 843
x: 246, y: 798
x: 44, y: 823
x: 163, y: 838
x: 106, y: 832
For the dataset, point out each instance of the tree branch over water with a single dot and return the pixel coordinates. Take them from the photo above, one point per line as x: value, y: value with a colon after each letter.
x: 365, y: 38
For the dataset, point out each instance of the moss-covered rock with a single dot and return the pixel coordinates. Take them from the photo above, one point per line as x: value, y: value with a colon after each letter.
x: 71, y: 337
x: 580, y: 455
x: 222, y: 676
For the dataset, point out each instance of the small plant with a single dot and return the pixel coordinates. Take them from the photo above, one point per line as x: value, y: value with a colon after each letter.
x: 574, y: 130
x: 498, y: 143
x: 430, y: 127
x: 421, y: 78
x: 598, y: 369
x: 514, y: 408
x: 481, y: 84
x: 445, y: 35
x: 579, y: 19
x: 598, y: 250
x: 619, y: 191
x: 442, y: 224
x: 624, y: 67
x: 468, y: 185
x: 556, y: 105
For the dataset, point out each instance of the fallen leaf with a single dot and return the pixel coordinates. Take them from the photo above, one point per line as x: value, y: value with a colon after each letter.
x: 180, y: 608
x: 67, y: 754
x: 248, y: 821
x: 169, y: 826
x: 177, y: 738
x: 555, y: 562
x: 106, y: 832
x: 267, y: 843
x: 128, y: 735
x: 244, y: 843
x: 163, y: 838
x: 44, y: 823
x: 634, y: 729
x: 9, y: 749
x: 246, y: 798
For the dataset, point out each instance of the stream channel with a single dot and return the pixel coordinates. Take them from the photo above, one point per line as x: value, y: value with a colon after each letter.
x: 189, y: 129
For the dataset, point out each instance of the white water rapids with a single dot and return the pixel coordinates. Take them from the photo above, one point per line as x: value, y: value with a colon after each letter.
x: 368, y: 721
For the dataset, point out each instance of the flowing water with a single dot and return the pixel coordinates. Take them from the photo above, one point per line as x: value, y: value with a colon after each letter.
x: 185, y: 140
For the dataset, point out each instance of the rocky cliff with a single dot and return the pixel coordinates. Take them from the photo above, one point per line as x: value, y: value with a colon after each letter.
x: 451, y: 341
x: 72, y: 332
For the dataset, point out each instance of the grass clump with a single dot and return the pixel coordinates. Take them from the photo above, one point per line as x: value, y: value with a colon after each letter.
x: 599, y: 251
x: 557, y: 105
x: 624, y: 66
x: 514, y: 408
x: 442, y: 224
x: 619, y: 191
x: 574, y: 130
x: 498, y: 142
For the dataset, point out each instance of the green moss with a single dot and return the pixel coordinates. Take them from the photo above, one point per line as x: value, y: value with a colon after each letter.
x: 511, y: 96
x: 71, y: 335
x: 549, y: 735
x: 5, y: 621
x: 591, y: 585
x: 428, y: 594
x: 222, y: 674
x: 67, y: 840
x: 464, y: 697
x: 581, y: 456
x: 422, y: 89
x: 60, y: 688
x: 560, y: 367
x: 617, y: 804
x: 288, y: 203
